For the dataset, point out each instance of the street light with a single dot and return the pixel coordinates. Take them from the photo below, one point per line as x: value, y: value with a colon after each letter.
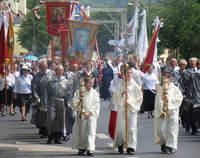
x: 130, y: 3
x: 34, y: 49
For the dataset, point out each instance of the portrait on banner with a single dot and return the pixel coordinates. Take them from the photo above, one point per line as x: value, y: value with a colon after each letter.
x: 81, y: 39
x: 58, y: 15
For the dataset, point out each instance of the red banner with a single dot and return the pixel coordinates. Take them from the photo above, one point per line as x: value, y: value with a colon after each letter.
x: 3, y: 50
x: 150, y: 51
x: 57, y: 15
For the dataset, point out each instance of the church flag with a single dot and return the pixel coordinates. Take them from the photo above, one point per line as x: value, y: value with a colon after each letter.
x: 57, y: 15
x: 142, y: 45
x: 130, y: 34
x: 80, y: 40
x: 10, y: 40
x: 3, y: 50
x: 151, y: 50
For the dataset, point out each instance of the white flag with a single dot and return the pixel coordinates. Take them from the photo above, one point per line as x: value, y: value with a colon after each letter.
x: 4, y: 20
x: 142, y: 45
x: 130, y: 33
x: 156, y: 23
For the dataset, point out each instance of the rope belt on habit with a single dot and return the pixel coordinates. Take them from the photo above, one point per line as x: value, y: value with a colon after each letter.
x: 57, y: 98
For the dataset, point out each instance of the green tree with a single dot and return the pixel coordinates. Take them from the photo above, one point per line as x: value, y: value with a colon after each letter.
x: 31, y: 4
x: 181, y: 27
x: 27, y: 31
x: 190, y: 32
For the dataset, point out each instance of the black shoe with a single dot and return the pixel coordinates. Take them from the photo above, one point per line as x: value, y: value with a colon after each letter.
x: 120, y: 149
x: 168, y: 150
x: 90, y: 153
x: 43, y: 136
x: 184, y: 124
x: 81, y: 151
x: 64, y: 139
x: 130, y: 151
x: 194, y: 132
x: 163, y: 148
x: 68, y: 136
x: 49, y: 141
x: 57, y: 142
x: 142, y: 111
x: 187, y: 128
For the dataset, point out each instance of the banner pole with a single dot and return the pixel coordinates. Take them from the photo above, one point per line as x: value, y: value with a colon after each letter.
x: 6, y: 103
x: 63, y: 43
x: 126, y: 107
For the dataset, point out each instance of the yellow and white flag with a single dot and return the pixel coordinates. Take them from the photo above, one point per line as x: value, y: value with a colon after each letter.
x: 10, y: 40
x: 80, y: 40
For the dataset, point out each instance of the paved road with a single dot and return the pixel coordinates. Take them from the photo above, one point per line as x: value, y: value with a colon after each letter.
x: 21, y: 140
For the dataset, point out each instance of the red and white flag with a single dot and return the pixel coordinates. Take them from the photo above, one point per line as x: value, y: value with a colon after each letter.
x: 35, y: 11
x: 152, y: 45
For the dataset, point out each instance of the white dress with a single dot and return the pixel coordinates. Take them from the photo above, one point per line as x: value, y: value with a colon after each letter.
x: 113, y: 85
x: 135, y: 99
x: 85, y: 130
x: 166, y: 129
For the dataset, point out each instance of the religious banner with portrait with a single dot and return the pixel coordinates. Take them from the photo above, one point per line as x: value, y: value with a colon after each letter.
x: 57, y: 15
x: 80, y: 40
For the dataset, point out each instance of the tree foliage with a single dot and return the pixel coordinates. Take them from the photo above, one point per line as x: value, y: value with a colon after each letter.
x: 27, y: 31
x: 181, y: 31
x: 31, y: 4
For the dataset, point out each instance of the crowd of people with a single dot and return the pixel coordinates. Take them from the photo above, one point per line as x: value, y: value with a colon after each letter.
x: 51, y: 90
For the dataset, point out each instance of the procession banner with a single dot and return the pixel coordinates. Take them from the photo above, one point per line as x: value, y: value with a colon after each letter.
x: 3, y: 51
x: 10, y: 40
x: 150, y: 51
x: 81, y: 40
x: 130, y: 33
x: 57, y: 15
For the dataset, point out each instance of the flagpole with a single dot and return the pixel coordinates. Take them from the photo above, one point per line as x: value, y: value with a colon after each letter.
x: 5, y: 89
x: 126, y: 107
x: 52, y: 50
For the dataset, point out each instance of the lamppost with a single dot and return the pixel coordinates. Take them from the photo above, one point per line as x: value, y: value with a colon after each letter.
x: 34, y: 49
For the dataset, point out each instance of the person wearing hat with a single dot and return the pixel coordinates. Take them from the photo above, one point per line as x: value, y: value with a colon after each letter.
x: 166, y: 120
x: 22, y: 91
